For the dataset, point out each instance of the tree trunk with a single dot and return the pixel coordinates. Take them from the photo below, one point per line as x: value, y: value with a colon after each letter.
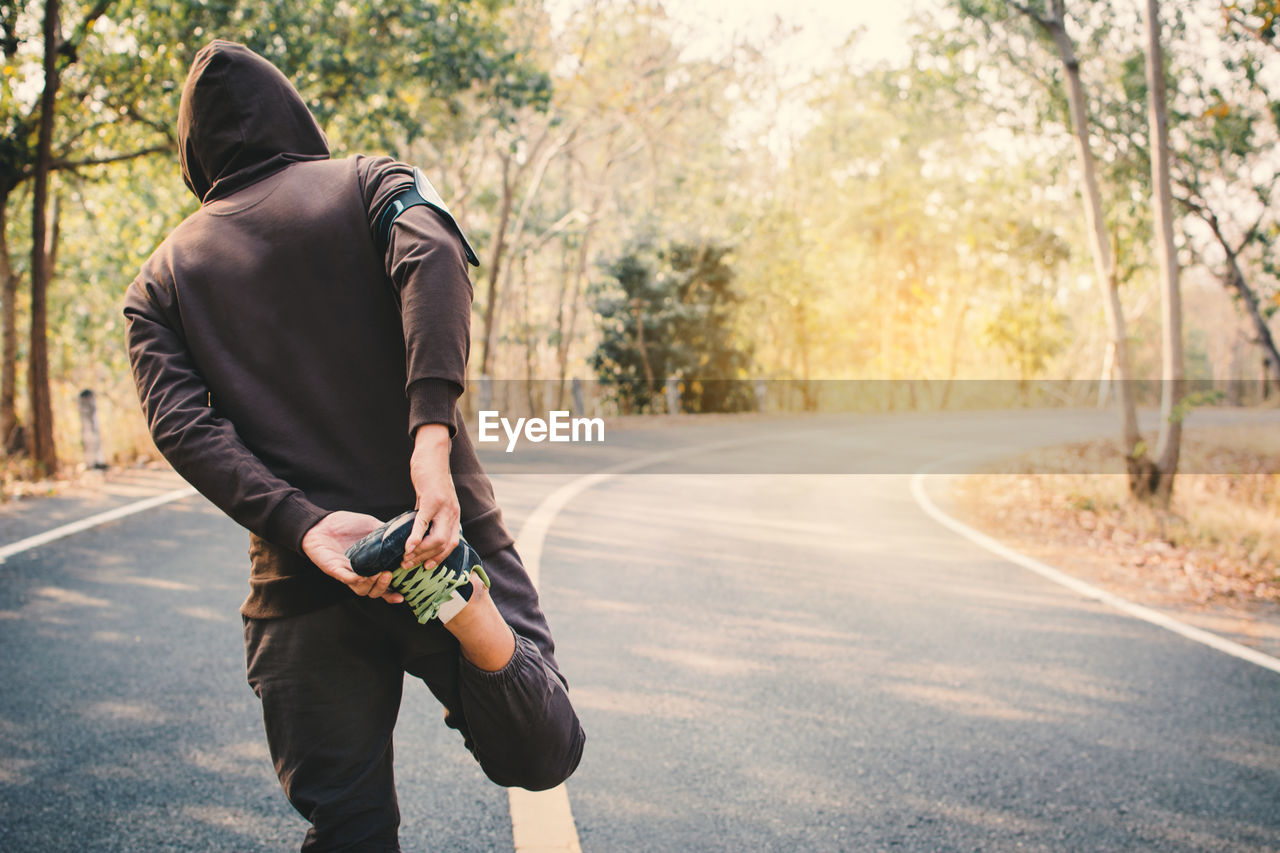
x: 570, y: 296
x: 9, y: 325
x: 558, y: 332
x: 1108, y: 368
x: 495, y: 266
x: 953, y: 355
x: 1233, y: 279
x: 539, y: 161
x: 1103, y: 258
x: 638, y: 314
x: 9, y: 428
x: 43, y: 451
x: 529, y: 339
x: 1169, y: 444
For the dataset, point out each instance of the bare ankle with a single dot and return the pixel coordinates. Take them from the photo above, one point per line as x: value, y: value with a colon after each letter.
x: 486, y: 640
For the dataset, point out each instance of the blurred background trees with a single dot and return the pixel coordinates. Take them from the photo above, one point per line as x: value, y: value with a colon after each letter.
x: 666, y: 313
x: 651, y: 203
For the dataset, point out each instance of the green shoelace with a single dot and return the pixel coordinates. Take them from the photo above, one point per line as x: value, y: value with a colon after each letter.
x: 424, y: 591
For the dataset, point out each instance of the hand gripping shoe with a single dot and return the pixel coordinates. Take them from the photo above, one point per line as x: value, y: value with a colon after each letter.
x: 441, y: 591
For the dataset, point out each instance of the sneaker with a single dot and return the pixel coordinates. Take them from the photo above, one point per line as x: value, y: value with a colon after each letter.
x: 440, y: 592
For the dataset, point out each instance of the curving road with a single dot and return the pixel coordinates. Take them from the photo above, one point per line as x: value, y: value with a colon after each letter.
x: 764, y: 661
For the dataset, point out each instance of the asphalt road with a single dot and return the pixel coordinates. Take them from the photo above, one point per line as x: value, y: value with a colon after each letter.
x: 763, y: 661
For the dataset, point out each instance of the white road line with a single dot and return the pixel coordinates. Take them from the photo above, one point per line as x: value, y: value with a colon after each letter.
x: 1088, y: 590
x: 93, y: 521
x: 542, y: 821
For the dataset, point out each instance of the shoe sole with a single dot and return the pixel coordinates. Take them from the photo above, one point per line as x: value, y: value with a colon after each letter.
x: 383, y: 549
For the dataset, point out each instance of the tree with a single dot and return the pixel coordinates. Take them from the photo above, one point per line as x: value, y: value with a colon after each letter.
x: 900, y: 225
x: 1226, y: 176
x: 1148, y: 479
x: 1257, y: 19
x: 1156, y: 475
x: 631, y: 136
x: 665, y: 313
x: 1030, y: 332
x: 375, y: 74
x: 27, y: 152
x: 43, y: 450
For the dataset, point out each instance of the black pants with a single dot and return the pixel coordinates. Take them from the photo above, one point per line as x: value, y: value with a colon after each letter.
x: 330, y: 683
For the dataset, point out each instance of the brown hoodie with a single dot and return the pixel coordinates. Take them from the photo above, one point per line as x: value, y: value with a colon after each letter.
x: 283, y: 363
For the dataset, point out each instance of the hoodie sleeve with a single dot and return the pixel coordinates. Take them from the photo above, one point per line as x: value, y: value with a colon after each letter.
x: 427, y: 268
x: 203, y: 447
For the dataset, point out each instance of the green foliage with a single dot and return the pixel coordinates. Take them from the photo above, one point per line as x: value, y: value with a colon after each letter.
x: 1255, y: 18
x: 1110, y: 51
x: 1030, y: 332
x: 1188, y: 402
x: 377, y: 74
x: 374, y: 72
x: 914, y: 220
x: 666, y: 312
x: 105, y: 236
x: 1225, y: 173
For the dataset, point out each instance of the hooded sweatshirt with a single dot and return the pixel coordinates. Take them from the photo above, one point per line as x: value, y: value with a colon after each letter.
x: 284, y: 362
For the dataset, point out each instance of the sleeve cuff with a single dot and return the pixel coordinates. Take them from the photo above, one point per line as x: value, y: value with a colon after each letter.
x: 433, y: 401
x: 291, y: 520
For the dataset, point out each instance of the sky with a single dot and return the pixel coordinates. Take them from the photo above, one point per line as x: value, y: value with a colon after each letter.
x: 821, y: 26
x: 814, y: 32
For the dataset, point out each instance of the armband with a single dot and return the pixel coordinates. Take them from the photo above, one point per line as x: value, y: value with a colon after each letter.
x: 420, y: 192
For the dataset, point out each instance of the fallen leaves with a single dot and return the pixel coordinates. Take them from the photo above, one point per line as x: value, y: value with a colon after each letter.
x: 1220, y: 542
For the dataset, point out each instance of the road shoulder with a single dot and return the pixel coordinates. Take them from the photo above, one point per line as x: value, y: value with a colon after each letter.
x: 1126, y: 569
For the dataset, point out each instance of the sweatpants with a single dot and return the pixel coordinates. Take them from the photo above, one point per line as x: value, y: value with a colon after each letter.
x: 330, y: 682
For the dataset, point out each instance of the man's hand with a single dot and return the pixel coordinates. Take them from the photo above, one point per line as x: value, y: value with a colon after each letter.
x: 326, y: 545
x: 437, y: 500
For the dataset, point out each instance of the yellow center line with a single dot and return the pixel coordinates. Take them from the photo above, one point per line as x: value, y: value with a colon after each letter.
x: 541, y: 821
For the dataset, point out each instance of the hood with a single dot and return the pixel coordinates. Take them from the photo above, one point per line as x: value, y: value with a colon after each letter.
x: 239, y: 120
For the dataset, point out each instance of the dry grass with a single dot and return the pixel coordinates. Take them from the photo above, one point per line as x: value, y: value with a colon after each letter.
x: 125, y: 442
x: 1218, y: 543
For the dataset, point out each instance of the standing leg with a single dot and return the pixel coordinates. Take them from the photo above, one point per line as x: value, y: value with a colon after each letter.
x: 330, y: 686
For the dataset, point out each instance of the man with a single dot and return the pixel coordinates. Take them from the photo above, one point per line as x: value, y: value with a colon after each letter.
x: 302, y: 372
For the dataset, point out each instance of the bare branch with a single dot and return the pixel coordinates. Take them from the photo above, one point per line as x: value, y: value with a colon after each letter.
x: 114, y: 158
x: 62, y: 164
x: 9, y: 30
x: 1252, y: 230
x: 1244, y: 25
x: 1044, y: 23
x: 1029, y: 72
x: 1189, y: 199
x: 91, y: 16
x: 1193, y: 200
x: 69, y: 47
